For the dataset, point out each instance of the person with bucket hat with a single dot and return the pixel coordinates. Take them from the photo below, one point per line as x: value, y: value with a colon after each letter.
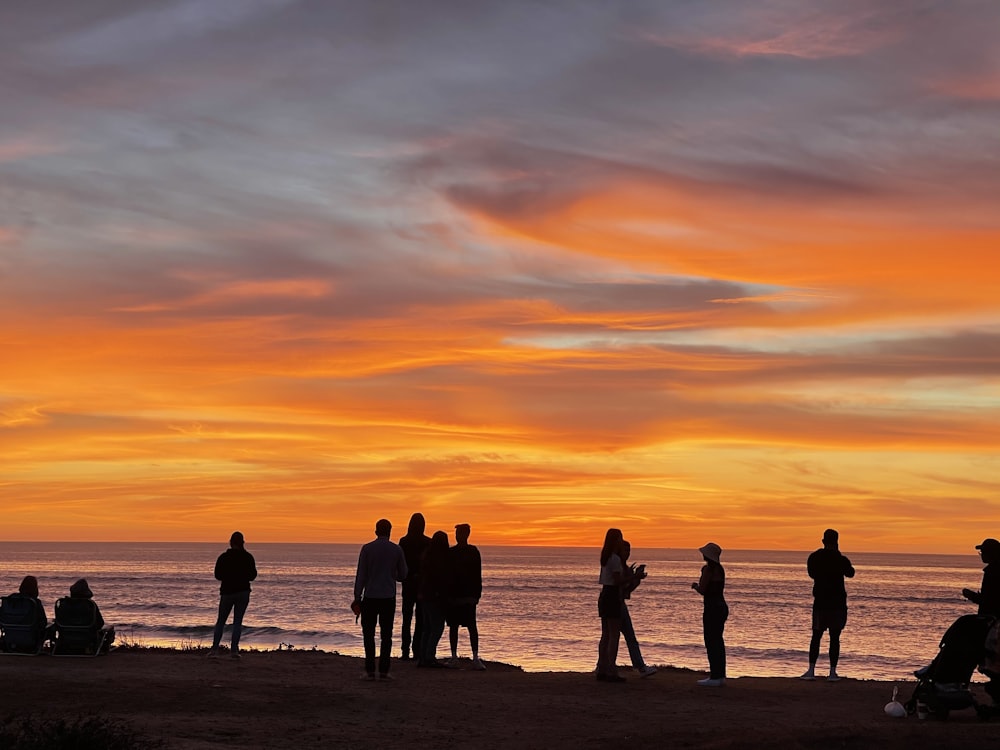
x: 711, y: 586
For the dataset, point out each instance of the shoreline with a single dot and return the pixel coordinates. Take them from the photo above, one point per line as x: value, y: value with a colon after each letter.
x: 305, y: 699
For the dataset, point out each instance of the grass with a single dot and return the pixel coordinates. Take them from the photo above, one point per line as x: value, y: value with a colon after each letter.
x: 81, y: 733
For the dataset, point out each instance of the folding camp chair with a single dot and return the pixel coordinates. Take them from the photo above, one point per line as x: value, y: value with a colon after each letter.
x: 77, y: 630
x: 22, y: 625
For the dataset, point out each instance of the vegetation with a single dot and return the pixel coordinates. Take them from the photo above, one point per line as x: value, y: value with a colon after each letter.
x: 82, y: 733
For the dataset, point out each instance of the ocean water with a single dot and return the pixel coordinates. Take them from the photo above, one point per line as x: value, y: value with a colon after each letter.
x: 539, y: 606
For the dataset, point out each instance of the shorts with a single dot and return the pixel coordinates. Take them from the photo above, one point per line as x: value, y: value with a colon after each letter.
x: 461, y: 614
x: 833, y: 620
x: 609, y: 604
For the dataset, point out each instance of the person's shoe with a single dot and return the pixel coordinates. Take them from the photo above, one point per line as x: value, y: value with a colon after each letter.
x: 452, y: 662
x: 808, y: 675
x: 386, y: 676
x: 405, y: 656
x: 712, y: 682
x: 368, y: 677
x: 647, y: 671
x: 235, y: 655
x: 613, y: 678
x: 213, y: 653
x: 478, y: 665
x: 834, y: 677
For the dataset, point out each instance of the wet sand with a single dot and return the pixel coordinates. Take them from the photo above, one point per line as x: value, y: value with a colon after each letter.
x: 311, y: 699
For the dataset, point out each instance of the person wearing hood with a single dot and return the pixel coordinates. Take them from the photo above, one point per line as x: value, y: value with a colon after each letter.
x: 81, y: 590
x: 234, y: 570
x: 414, y: 544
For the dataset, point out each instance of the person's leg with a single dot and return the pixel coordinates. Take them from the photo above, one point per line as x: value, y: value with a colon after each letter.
x: 473, y: 637
x: 225, y: 606
x: 240, y: 603
x: 435, y: 627
x: 631, y: 642
x: 387, y: 613
x: 369, y: 618
x: 409, y: 602
x: 834, y: 651
x: 602, y: 648
x: 614, y: 636
x: 453, y: 639
x: 818, y: 626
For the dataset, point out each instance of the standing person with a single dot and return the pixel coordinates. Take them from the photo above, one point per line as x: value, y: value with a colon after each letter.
x: 633, y: 577
x: 712, y: 586
x: 988, y: 599
x: 414, y: 544
x: 234, y: 570
x: 435, y: 583
x: 609, y: 606
x: 380, y: 564
x: 828, y: 568
x: 466, y: 591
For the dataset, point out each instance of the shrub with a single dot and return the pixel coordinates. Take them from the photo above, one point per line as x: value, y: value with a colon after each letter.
x: 81, y: 733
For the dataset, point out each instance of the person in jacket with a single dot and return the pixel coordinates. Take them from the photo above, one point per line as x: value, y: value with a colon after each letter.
x: 105, y: 635
x: 413, y: 544
x: 466, y: 591
x: 828, y: 568
x: 609, y: 606
x: 711, y: 585
x: 234, y: 569
x: 381, y: 563
x: 988, y: 601
x: 435, y: 586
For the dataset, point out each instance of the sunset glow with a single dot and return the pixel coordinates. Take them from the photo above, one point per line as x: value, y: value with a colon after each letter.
x: 723, y: 271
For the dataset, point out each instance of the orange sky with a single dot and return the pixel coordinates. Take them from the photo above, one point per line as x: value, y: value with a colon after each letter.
x: 697, y: 272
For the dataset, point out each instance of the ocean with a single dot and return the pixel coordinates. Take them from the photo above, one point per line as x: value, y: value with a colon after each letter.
x: 539, y: 605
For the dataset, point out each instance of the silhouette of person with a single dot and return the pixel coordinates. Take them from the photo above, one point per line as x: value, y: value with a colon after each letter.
x: 29, y: 590
x: 435, y: 585
x: 712, y: 586
x: 466, y: 591
x: 81, y: 590
x: 828, y: 568
x: 234, y: 569
x: 609, y: 606
x: 633, y: 577
x: 414, y: 544
x: 381, y: 564
x: 988, y: 599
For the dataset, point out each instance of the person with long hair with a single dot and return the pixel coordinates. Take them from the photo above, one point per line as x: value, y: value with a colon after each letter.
x: 711, y: 586
x: 435, y: 585
x: 609, y: 606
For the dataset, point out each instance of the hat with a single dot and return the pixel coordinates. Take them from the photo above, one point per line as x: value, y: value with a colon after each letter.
x: 81, y: 590
x: 991, y: 546
x: 831, y: 535
x: 712, y: 551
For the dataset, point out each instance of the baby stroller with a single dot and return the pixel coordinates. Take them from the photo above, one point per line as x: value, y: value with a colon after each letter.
x: 943, y: 685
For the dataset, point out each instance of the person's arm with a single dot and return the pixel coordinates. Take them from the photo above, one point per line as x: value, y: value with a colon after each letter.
x: 401, y: 568
x: 220, y: 566
x: 361, y: 577
x: 846, y: 567
x: 812, y: 566
x: 252, y: 573
x: 702, y: 584
x: 479, y: 575
x: 972, y: 596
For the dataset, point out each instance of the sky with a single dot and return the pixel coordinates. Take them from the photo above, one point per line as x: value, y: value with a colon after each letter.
x: 721, y: 271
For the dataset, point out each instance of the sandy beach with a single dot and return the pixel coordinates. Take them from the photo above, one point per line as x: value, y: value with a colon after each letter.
x: 307, y: 699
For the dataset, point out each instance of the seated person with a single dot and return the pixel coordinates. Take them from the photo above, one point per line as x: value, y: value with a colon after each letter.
x: 81, y: 590
x: 28, y: 590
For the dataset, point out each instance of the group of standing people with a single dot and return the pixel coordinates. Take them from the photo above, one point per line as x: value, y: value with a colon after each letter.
x: 441, y: 585
x: 826, y: 566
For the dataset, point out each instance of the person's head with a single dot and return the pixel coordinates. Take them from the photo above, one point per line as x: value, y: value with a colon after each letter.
x: 439, y: 541
x: 626, y: 550
x: 383, y: 527
x: 417, y: 524
x: 989, y: 550
x: 711, y: 552
x: 236, y: 541
x: 612, y: 545
x: 81, y: 590
x: 831, y: 538
x: 29, y: 587
x: 462, y: 531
